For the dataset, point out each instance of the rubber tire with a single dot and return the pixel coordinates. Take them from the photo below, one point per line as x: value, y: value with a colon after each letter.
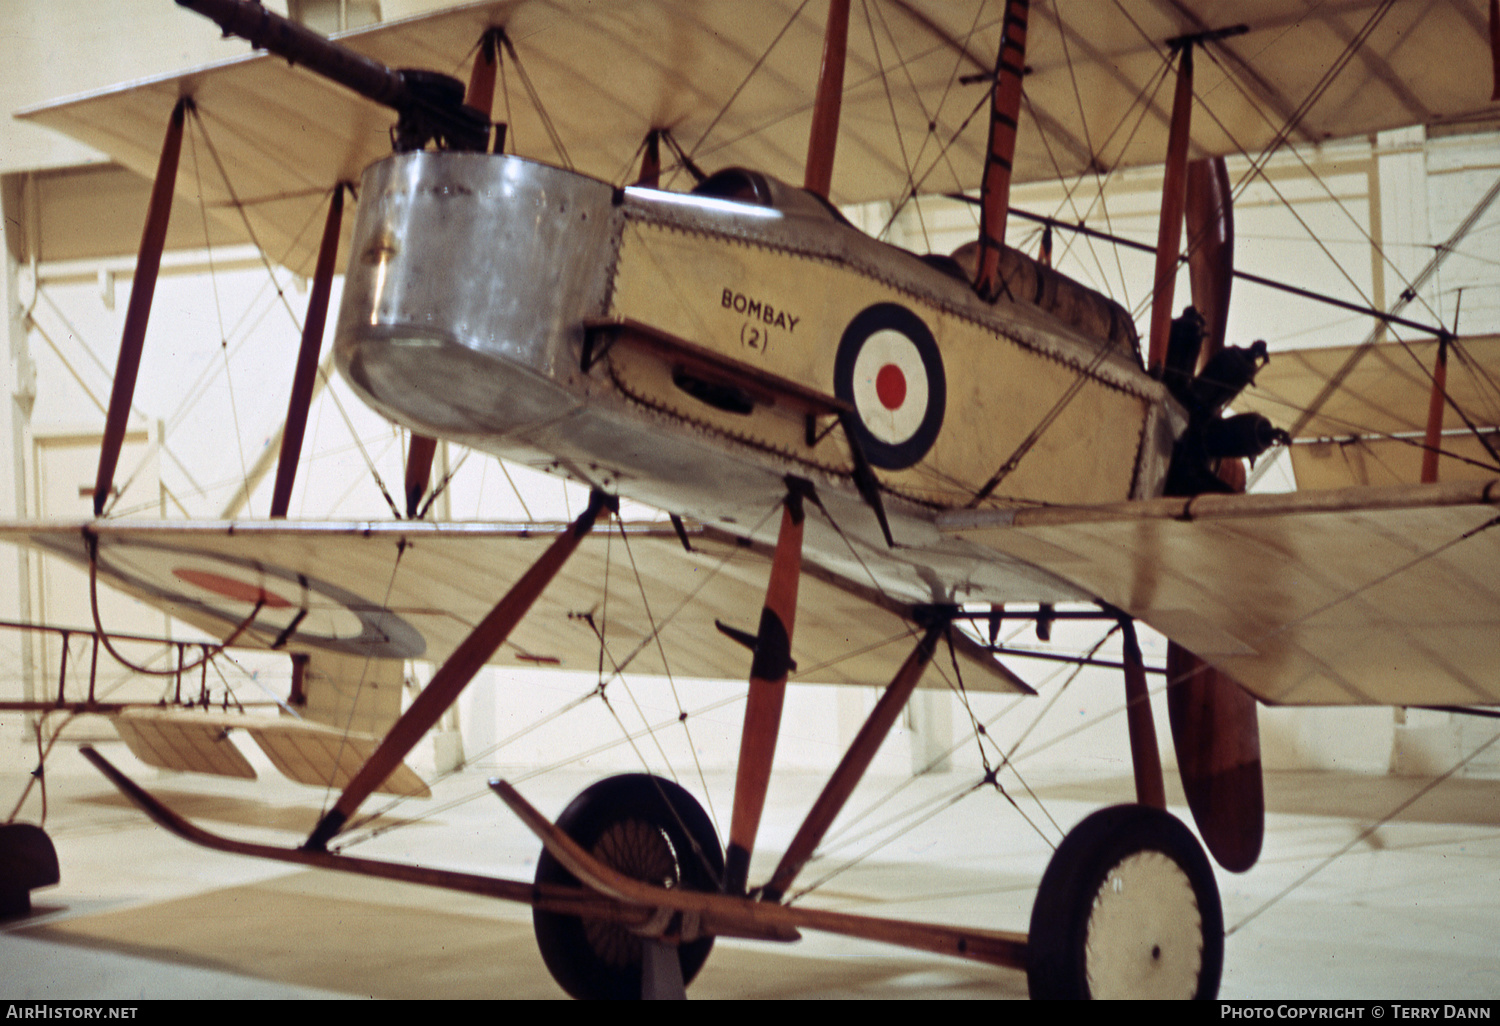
x: 1077, y: 877
x: 572, y: 956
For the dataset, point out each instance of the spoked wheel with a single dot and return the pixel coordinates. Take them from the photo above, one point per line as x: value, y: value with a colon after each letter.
x: 652, y: 830
x: 1128, y: 908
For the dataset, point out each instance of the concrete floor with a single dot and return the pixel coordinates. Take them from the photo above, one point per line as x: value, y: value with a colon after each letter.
x: 1412, y: 911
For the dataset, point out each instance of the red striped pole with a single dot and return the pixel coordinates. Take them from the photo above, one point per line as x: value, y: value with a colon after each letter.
x: 1005, y: 112
x: 768, y: 673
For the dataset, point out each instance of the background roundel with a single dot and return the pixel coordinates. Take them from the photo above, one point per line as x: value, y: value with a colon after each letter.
x: 889, y: 368
x: 226, y: 588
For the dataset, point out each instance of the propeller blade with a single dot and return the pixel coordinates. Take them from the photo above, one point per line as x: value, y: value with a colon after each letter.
x: 1214, y: 725
x: 1210, y: 238
x: 1216, y: 733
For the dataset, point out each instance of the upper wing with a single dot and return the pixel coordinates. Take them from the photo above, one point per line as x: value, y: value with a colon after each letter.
x: 416, y: 591
x: 1368, y: 596
x: 1371, y: 410
x: 734, y: 82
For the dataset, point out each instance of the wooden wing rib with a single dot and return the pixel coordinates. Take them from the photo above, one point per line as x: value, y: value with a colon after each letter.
x: 197, y: 741
x: 1373, y: 596
x: 176, y: 740
x: 311, y: 753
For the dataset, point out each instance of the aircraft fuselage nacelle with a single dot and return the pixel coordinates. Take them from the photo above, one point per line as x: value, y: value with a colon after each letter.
x: 690, y: 350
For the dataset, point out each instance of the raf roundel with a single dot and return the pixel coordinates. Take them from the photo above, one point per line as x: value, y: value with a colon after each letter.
x: 889, y: 369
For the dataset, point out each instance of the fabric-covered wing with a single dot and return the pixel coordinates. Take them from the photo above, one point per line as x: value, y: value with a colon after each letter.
x: 416, y: 590
x: 1361, y: 596
x: 734, y: 81
x: 197, y: 741
x: 1369, y: 428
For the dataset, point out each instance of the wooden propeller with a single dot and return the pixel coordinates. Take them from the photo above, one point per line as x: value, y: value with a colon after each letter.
x: 1215, y: 730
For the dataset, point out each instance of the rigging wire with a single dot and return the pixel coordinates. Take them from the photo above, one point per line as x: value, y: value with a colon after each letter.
x: 598, y: 688
x: 754, y: 68
x: 1361, y: 433
x: 519, y: 498
x: 1081, y: 377
x: 1361, y: 836
x: 359, y: 685
x: 885, y: 83
x: 667, y: 668
x: 219, y: 313
x: 38, y: 776
x: 604, y: 654
x: 961, y: 52
x: 991, y: 774
x: 239, y: 206
x: 1099, y: 181
x: 536, y: 101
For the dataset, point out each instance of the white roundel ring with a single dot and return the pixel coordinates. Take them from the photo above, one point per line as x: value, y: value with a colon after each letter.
x: 889, y: 369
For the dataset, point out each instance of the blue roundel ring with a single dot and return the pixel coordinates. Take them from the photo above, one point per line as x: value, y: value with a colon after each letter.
x: 889, y: 369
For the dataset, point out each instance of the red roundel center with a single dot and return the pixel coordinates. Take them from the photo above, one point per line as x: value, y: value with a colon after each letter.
x: 239, y: 591
x: 890, y: 386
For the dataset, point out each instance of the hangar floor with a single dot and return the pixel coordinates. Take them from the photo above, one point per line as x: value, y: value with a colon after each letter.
x: 1411, y: 911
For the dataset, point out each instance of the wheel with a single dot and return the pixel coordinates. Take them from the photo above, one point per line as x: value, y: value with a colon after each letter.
x: 652, y: 830
x: 1128, y: 907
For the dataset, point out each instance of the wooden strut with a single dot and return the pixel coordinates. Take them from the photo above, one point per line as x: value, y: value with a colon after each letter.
x: 717, y: 914
x: 856, y: 761
x: 650, y: 177
x: 1144, y: 756
x: 1173, y: 198
x: 823, y: 139
x: 133, y: 337
x: 768, y: 674
x: 1005, y: 112
x: 454, y: 675
x: 305, y: 377
x: 1436, y: 406
x: 572, y: 901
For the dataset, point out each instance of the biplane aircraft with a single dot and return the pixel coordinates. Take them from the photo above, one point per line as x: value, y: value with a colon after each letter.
x: 945, y: 436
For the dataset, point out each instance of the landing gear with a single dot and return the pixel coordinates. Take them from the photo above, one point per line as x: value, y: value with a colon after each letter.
x: 650, y: 829
x: 27, y: 861
x: 1128, y: 907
